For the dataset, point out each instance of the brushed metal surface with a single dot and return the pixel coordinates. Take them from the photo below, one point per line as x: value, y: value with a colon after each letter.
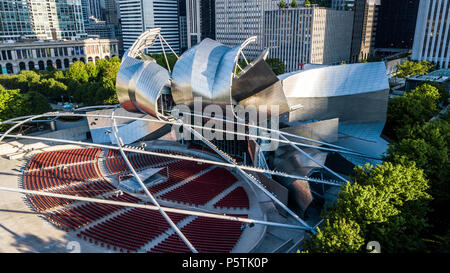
x: 140, y: 82
x: 206, y: 71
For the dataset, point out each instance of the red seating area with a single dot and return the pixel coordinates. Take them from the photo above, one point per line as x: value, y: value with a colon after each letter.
x: 202, y: 189
x: 129, y: 231
x: 90, y: 189
x: 63, y: 157
x: 208, y: 235
x: 115, y: 163
x: 178, y: 171
x: 56, y: 177
x: 75, y: 172
x: 76, y: 217
x: 237, y: 198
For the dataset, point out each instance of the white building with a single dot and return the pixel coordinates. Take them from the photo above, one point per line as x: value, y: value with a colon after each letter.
x: 312, y: 35
x: 236, y: 20
x: 137, y: 16
x: 41, y: 55
x: 37, y: 19
x: 432, y: 37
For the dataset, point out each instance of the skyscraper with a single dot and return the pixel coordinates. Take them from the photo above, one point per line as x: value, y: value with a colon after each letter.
x: 111, y: 12
x: 138, y: 16
x: 396, y: 24
x: 200, y: 21
x: 364, y: 26
x: 95, y: 9
x: 85, y: 11
x: 35, y: 19
x: 208, y: 19
x: 182, y: 20
x: 237, y: 20
x: 432, y: 37
x: 312, y: 35
x: 15, y: 20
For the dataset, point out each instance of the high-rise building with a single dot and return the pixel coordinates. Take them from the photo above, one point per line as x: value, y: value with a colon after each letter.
x: 432, y: 37
x: 85, y: 10
x: 343, y: 4
x: 208, y: 19
x: 364, y: 26
x: 57, y: 19
x: 101, y: 29
x: 138, y: 16
x: 182, y: 20
x: 237, y: 20
x: 35, y: 19
x: 200, y: 21
x: 193, y: 22
x: 95, y: 9
x: 312, y: 35
x: 111, y: 12
x: 15, y: 20
x: 396, y: 24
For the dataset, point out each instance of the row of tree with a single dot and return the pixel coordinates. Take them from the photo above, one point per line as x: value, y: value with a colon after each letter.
x: 402, y: 203
x: 90, y: 84
x: 13, y: 104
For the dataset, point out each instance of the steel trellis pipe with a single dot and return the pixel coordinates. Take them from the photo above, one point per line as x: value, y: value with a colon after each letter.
x: 136, y: 176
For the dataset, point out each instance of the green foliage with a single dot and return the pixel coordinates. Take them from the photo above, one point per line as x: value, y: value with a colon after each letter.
x: 307, y: 3
x: 161, y: 60
x: 410, y: 68
x: 294, y: 3
x: 14, y: 104
x: 78, y: 72
x: 282, y: 4
x: 10, y: 105
x: 411, y: 109
x: 428, y: 146
x: 340, y: 236
x: 277, y: 66
x: 443, y: 92
x: 35, y: 103
x: 387, y: 203
x: 90, y: 84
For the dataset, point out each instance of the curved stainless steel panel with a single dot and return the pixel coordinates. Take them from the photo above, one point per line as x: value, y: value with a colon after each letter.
x: 206, y: 71
x: 140, y: 82
x: 126, y: 72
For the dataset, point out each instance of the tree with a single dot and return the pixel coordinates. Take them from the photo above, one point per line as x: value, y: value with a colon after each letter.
x: 340, y: 236
x: 428, y: 146
x: 294, y: 3
x: 410, y: 68
x: 411, y: 109
x: 282, y: 4
x: 92, y: 70
x: 77, y: 72
x: 11, y: 105
x: 35, y: 103
x: 443, y: 92
x: 307, y: 3
x: 161, y: 60
x: 277, y: 66
x: 388, y: 203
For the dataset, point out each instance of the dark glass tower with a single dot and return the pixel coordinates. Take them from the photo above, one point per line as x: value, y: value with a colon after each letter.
x: 396, y: 24
x: 208, y: 20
